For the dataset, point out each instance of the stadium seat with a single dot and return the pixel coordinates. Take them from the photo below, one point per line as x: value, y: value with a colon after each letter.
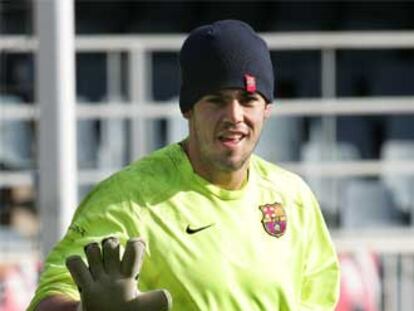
x: 112, y: 148
x: 399, y: 184
x: 327, y: 189
x: 16, y: 138
x: 87, y: 141
x: 368, y: 204
x: 281, y: 139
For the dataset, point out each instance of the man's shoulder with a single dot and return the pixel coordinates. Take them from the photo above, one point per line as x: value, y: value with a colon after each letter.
x: 161, y: 164
x: 159, y: 161
x: 273, y: 172
x: 153, y: 170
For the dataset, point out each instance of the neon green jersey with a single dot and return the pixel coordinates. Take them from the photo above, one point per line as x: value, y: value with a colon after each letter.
x: 263, y: 247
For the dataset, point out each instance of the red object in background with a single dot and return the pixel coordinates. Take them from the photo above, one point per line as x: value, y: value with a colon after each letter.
x: 17, y: 284
x: 360, y: 282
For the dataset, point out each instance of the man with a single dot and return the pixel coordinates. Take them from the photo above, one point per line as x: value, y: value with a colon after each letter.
x: 223, y: 229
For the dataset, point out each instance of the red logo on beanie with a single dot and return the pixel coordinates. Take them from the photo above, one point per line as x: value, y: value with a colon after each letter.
x: 250, y: 83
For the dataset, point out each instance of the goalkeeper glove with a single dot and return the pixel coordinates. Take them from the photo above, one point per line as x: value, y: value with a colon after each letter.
x: 110, y: 283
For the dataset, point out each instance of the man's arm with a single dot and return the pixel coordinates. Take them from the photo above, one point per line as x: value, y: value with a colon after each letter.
x: 57, y: 303
x: 320, y: 285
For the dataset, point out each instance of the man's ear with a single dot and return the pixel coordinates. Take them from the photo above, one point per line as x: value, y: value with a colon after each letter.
x: 187, y: 114
x: 268, y: 110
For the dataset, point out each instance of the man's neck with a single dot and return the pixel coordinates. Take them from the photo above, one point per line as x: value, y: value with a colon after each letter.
x: 229, y: 180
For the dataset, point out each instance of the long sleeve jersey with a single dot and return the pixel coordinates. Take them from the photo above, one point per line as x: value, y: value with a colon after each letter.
x: 262, y: 247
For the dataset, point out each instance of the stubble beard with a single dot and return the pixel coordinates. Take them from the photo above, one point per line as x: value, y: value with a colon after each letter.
x: 224, y: 162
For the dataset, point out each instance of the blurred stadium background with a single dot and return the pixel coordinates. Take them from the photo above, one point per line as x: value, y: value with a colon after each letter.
x: 343, y: 119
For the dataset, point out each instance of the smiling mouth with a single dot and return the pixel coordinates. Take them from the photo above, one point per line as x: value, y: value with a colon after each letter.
x: 231, y: 140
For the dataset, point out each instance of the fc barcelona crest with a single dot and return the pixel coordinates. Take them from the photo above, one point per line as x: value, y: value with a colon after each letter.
x: 274, y: 219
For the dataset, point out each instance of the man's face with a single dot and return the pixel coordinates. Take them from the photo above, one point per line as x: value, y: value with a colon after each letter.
x: 225, y: 128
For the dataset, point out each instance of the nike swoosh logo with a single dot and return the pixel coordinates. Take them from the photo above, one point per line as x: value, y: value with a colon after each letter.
x: 195, y: 230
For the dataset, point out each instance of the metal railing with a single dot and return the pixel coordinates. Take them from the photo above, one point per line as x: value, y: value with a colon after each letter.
x: 140, y: 106
x: 396, y: 246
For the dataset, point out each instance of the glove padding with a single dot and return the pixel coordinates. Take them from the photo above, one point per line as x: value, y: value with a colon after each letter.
x: 110, y: 283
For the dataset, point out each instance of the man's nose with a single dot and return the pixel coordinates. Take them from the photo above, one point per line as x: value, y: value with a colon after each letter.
x: 234, y: 111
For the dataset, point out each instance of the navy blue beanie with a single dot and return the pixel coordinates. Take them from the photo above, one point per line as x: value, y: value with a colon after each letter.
x: 225, y: 54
